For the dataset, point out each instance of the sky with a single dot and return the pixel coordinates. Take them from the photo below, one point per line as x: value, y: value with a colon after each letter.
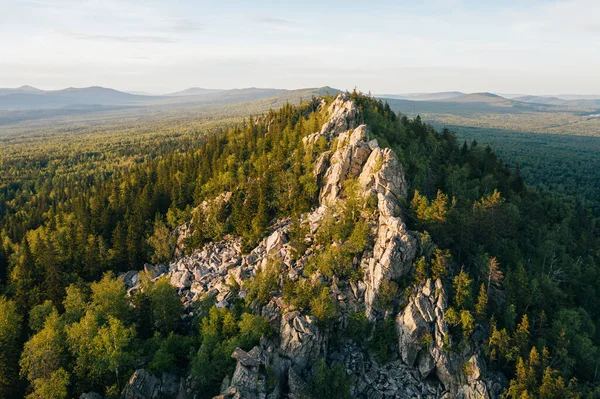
x: 526, y: 46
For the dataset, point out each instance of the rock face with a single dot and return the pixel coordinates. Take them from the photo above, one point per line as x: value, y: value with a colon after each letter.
x: 142, y: 385
x: 379, y: 173
x: 346, y: 162
x: 301, y: 340
x: 421, y: 368
x: 423, y: 337
x: 246, y: 381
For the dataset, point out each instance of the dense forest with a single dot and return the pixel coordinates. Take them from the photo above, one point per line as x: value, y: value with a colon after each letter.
x: 523, y: 262
x: 566, y: 164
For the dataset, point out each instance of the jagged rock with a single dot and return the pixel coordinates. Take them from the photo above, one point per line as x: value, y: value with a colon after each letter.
x: 412, y: 328
x: 275, y: 242
x: 155, y: 271
x: 300, y: 339
x: 169, y: 386
x: 476, y: 367
x: 90, y: 395
x: 322, y: 164
x: 246, y: 359
x: 130, y: 278
x: 393, y: 253
x: 141, y: 385
x: 296, y: 385
x: 421, y: 320
x: 181, y: 279
x: 246, y: 381
x: 343, y: 115
x: 477, y: 390
x: 187, y: 388
x: 423, y: 367
x: 181, y: 233
x: 425, y: 363
x: 346, y: 162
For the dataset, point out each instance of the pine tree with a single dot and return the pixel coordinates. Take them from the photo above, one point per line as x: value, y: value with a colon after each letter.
x: 482, y: 303
x: 10, y: 331
x: 22, y: 278
x: 495, y: 278
x: 462, y: 290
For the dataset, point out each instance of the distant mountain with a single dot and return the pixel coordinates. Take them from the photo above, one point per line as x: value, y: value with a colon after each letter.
x: 241, y: 95
x: 139, y: 93
x: 578, y: 96
x: 218, y: 104
x: 541, y: 100
x: 194, y: 91
x: 71, y: 98
x: 488, y: 98
x: 424, y: 96
x: 28, y: 99
x: 20, y: 90
x: 576, y: 102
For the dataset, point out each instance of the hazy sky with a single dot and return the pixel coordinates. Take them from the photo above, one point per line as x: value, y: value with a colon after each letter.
x: 508, y: 46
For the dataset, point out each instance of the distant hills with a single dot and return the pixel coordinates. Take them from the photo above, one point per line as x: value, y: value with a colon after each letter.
x: 488, y: 98
x: 29, y: 98
x: 582, y: 102
x: 563, y: 100
x: 95, y: 103
x: 193, y: 91
x: 424, y: 96
x: 21, y: 90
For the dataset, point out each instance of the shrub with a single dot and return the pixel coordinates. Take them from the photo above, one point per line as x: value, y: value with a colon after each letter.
x: 323, y: 307
x: 329, y: 382
x: 359, y: 327
x: 388, y: 292
x: 384, y: 337
x: 259, y: 288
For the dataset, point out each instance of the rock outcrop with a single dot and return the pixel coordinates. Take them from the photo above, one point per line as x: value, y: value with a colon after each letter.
x: 301, y: 340
x: 424, y: 341
x: 379, y: 173
x: 246, y: 381
x: 423, y: 367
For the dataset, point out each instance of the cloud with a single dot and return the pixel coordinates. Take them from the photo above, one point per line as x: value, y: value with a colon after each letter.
x: 118, y: 38
x: 277, y: 24
x: 274, y: 21
x: 181, y: 25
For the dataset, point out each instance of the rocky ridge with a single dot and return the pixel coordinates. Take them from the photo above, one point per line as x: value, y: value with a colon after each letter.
x: 423, y: 367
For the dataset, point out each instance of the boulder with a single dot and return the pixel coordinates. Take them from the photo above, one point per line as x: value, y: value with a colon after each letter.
x: 301, y: 339
x: 245, y: 380
x: 275, y: 242
x: 169, y: 386
x: 411, y: 328
x: 130, y: 278
x: 181, y: 279
x: 141, y: 385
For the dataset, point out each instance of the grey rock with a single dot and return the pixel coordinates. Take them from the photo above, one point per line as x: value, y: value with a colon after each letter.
x: 169, y: 386
x: 301, y: 339
x: 141, y: 385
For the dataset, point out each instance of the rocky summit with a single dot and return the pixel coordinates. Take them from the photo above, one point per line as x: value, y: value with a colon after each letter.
x: 425, y: 363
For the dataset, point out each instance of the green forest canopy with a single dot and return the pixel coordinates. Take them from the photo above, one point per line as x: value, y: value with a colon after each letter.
x: 87, y: 214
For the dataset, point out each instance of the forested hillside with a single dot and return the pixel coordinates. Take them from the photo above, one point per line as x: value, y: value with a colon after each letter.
x: 511, y: 271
